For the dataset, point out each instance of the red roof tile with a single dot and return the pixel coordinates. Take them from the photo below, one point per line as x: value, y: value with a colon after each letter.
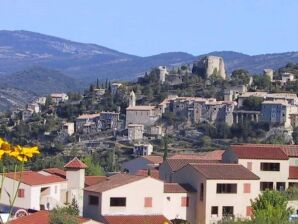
x: 290, y: 150
x: 176, y: 164
x: 136, y: 219
x: 41, y: 217
x: 178, y: 188
x: 154, y: 159
x: 114, y: 181
x: 293, y: 172
x: 56, y: 171
x: 223, y: 171
x: 210, y: 155
x: 255, y: 151
x: 75, y: 163
x: 92, y: 180
x: 34, y: 178
x: 144, y: 172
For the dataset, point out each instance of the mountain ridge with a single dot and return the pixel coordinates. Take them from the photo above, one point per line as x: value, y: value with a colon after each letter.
x: 87, y: 61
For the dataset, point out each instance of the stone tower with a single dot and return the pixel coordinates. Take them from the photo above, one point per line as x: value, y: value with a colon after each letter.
x: 75, y: 176
x: 162, y: 73
x: 269, y: 72
x: 132, y: 99
x: 213, y: 65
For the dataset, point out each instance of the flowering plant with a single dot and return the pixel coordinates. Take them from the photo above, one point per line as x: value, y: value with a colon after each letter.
x: 21, y: 155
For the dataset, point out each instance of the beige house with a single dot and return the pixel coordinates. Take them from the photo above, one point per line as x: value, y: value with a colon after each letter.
x: 135, y: 132
x: 176, y: 162
x: 223, y: 190
x: 276, y: 165
x: 59, y: 97
x: 46, y: 189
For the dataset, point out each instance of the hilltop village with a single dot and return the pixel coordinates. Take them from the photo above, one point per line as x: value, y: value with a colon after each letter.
x: 182, y: 144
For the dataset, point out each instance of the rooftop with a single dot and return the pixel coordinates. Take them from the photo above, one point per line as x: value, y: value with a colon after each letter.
x: 114, y: 181
x: 75, y: 163
x: 153, y: 159
x: 141, y: 108
x: 88, y: 116
x: 136, y: 219
x: 221, y: 171
x: 34, y: 178
x: 178, y: 188
x: 259, y: 151
x: 40, y: 217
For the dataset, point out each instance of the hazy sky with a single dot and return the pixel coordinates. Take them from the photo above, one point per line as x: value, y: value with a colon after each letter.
x: 146, y: 27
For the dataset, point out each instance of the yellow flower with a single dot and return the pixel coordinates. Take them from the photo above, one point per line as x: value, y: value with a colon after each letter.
x: 5, y: 147
x: 24, y: 153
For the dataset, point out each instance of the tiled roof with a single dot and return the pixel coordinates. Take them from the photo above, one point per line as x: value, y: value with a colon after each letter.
x: 114, y: 181
x: 178, y: 188
x: 92, y: 180
x: 211, y: 155
x: 41, y: 217
x: 34, y: 178
x: 88, y: 116
x: 154, y: 159
x: 262, y: 151
x: 176, y: 164
x: 293, y: 172
x: 221, y: 171
x: 75, y: 163
x: 144, y: 172
x: 290, y: 150
x: 136, y: 219
x: 89, y: 180
x: 145, y: 108
x: 56, y: 171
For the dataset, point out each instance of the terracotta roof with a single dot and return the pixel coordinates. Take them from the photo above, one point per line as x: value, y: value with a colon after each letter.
x: 145, y: 108
x: 41, y: 217
x: 211, y: 155
x: 56, y: 171
x: 178, y: 188
x: 290, y: 150
x: 255, y: 151
x: 221, y: 171
x: 135, y: 219
x: 75, y: 163
x: 114, y: 181
x: 89, y: 180
x: 34, y: 178
x: 154, y: 159
x: 144, y: 172
x: 293, y: 172
x: 92, y: 180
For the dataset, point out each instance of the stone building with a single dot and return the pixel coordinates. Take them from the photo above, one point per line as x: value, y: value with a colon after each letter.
x: 162, y: 73
x: 210, y: 65
x: 135, y: 132
x: 268, y: 72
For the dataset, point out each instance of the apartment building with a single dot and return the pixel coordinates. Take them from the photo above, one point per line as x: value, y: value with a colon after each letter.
x: 223, y: 190
x: 176, y: 162
x: 276, y: 165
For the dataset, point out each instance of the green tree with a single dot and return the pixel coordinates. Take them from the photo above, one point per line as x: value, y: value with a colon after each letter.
x: 165, y: 149
x: 271, y: 208
x: 240, y: 76
x: 63, y: 215
x: 93, y: 169
x: 252, y: 103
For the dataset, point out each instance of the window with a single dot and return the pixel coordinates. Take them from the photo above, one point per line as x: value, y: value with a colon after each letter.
x: 214, y: 210
x: 184, y: 201
x: 266, y: 185
x: 227, y: 210
x: 117, y: 202
x: 280, y: 186
x: 148, y: 202
x: 248, y: 211
x: 249, y: 165
x: 202, y: 192
x: 226, y: 188
x: 21, y: 193
x: 93, y: 200
x: 246, y: 188
x: 270, y: 166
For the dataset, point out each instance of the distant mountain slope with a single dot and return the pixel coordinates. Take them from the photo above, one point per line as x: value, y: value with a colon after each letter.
x: 11, y: 99
x: 22, y: 49
x: 40, y: 81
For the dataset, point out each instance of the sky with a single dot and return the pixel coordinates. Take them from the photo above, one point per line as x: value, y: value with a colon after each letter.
x: 148, y: 27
